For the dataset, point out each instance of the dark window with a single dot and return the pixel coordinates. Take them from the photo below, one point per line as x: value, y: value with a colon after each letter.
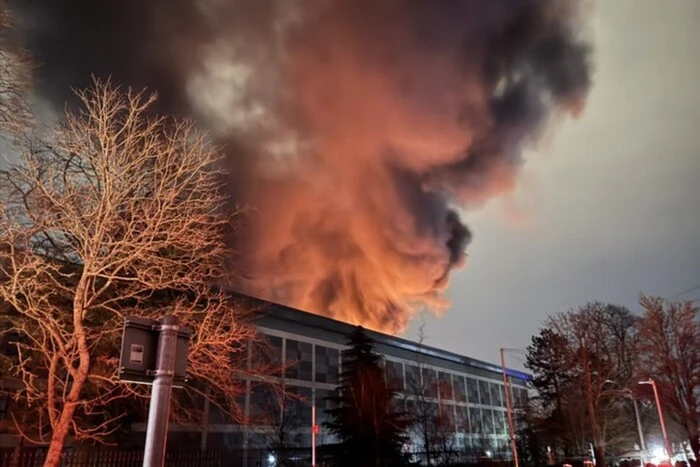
x: 445, y: 386
x: 264, y: 406
x: 326, y: 365
x: 298, y: 360
x: 462, y: 419
x: 271, y: 350
x: 487, y: 421
x: 499, y: 421
x: 446, y: 414
x: 394, y: 375
x: 324, y: 403
x: 497, y: 394
x: 484, y: 394
x: 429, y: 382
x: 459, y: 388
x: 473, y: 391
x: 298, y: 406
x: 413, y: 385
x: 475, y: 420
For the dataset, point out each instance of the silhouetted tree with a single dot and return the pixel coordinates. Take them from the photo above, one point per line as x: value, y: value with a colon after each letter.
x: 371, y: 431
x: 670, y: 353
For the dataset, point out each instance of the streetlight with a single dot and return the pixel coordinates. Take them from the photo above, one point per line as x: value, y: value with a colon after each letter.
x: 669, y: 451
x: 628, y: 393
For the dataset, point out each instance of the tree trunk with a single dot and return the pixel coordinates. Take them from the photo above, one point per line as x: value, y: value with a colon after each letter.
x: 58, y: 437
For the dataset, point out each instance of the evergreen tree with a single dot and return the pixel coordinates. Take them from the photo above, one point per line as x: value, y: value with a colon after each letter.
x: 370, y: 429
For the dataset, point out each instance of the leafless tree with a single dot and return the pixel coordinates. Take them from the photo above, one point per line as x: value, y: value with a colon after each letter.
x: 15, y: 79
x: 115, y: 212
x: 600, y: 341
x: 670, y: 351
x: 434, y: 419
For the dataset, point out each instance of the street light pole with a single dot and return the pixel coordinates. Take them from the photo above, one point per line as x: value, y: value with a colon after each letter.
x: 669, y: 450
x: 509, y: 408
x: 642, y: 445
x: 630, y: 394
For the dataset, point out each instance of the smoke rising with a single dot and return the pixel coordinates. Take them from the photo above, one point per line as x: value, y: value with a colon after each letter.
x: 357, y: 129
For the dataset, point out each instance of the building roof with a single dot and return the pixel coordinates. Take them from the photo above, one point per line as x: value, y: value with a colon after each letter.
x: 283, y: 313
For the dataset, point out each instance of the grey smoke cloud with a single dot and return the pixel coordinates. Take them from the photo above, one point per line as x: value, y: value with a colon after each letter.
x: 357, y: 129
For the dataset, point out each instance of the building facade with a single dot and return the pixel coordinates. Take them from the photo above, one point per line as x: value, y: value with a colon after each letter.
x: 459, y: 397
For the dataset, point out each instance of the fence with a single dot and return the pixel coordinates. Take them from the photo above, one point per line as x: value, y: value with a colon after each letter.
x: 34, y: 457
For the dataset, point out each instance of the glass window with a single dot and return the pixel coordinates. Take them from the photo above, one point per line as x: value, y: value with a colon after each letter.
x: 487, y: 421
x: 475, y: 420
x: 429, y: 382
x: 413, y: 385
x: 326, y: 365
x: 445, y: 386
x: 499, y: 419
x: 484, y: 393
x: 497, y: 394
x: 324, y: 403
x: 264, y: 406
x: 298, y: 360
x: 459, y: 389
x: 394, y: 375
x: 446, y: 415
x: 473, y: 390
x: 462, y: 417
x: 298, y: 406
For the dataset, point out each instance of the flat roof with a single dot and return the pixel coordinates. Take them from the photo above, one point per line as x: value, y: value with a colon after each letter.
x: 285, y: 313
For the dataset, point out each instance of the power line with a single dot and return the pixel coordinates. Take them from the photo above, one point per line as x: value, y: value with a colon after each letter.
x: 678, y: 295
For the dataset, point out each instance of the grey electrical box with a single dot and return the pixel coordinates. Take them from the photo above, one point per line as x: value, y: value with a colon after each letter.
x: 139, y: 351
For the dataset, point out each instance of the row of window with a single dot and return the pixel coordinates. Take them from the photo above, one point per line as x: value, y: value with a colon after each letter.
x: 406, y: 378
x: 294, y: 410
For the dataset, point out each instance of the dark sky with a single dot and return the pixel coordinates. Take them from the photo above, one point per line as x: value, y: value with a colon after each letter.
x: 609, y: 206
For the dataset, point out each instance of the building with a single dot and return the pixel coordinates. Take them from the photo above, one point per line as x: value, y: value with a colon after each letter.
x: 467, y: 394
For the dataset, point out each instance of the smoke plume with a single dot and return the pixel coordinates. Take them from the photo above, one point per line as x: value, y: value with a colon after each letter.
x: 356, y: 129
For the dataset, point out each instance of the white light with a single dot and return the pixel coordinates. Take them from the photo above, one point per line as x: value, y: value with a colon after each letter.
x: 271, y: 459
x: 488, y: 454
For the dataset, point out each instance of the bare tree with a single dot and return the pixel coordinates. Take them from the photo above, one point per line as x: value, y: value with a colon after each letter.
x: 434, y: 419
x: 598, y: 349
x: 115, y: 212
x: 15, y: 79
x: 670, y: 352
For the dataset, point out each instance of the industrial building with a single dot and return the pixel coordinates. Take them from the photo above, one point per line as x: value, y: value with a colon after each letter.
x: 467, y: 393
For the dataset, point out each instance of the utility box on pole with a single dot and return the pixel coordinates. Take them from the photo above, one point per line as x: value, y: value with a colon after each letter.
x: 155, y: 352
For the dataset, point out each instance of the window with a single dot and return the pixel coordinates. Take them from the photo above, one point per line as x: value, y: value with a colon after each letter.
x: 298, y: 360
x: 499, y: 419
x: 497, y: 394
x: 326, y: 365
x: 445, y: 386
x: 264, y: 406
x: 298, y: 406
x: 487, y: 421
x: 429, y: 382
x: 462, y: 416
x: 270, y: 351
x: 473, y: 391
x: 459, y: 388
x: 484, y: 393
x: 475, y: 420
x: 323, y: 404
x: 413, y: 385
x: 394, y: 375
x: 4, y: 402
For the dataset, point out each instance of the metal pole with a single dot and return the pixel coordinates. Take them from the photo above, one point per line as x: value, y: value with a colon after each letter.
x: 639, y: 424
x: 669, y: 450
x: 509, y: 408
x: 313, y: 435
x: 159, y: 409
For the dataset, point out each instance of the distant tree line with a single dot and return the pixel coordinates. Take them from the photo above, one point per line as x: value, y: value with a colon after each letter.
x: 587, y: 364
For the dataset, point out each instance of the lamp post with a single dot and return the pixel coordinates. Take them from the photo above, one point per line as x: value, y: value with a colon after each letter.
x: 628, y: 393
x: 669, y: 450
